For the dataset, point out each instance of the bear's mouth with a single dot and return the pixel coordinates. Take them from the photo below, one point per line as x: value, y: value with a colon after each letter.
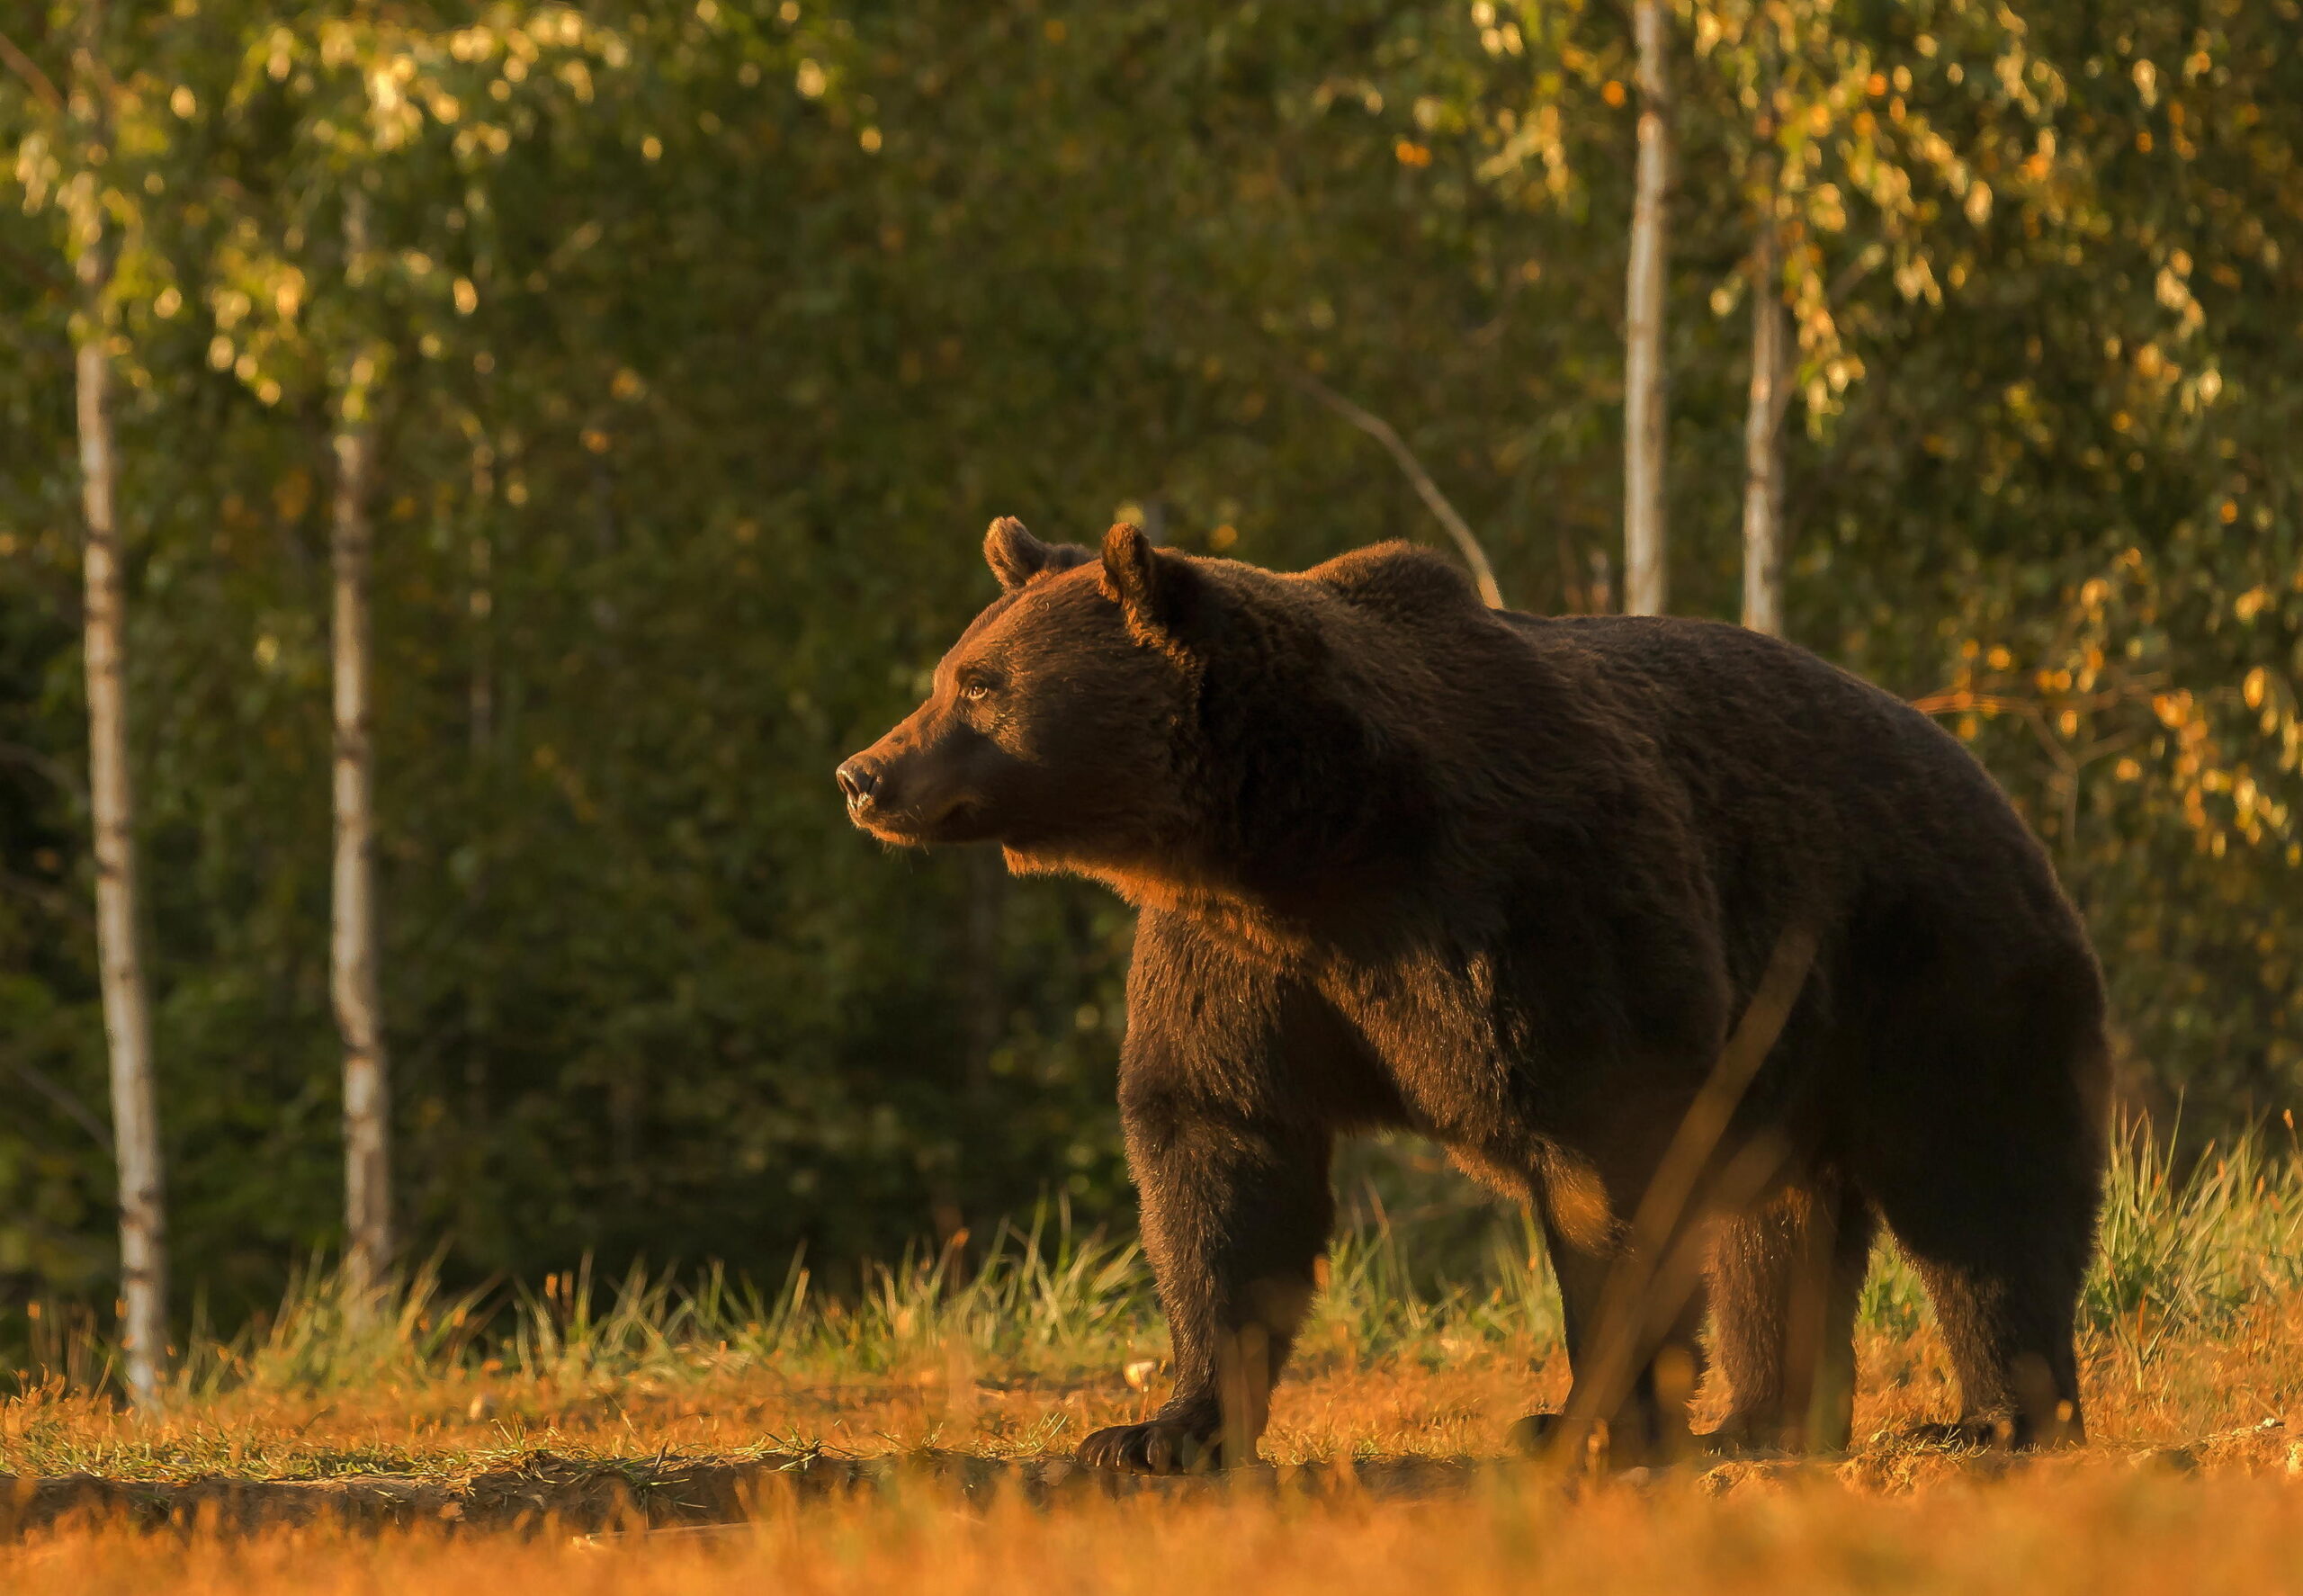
x: 958, y: 821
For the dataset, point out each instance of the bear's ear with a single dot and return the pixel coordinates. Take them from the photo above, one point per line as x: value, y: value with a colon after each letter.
x: 1164, y: 599
x: 1133, y: 578
x: 1015, y: 556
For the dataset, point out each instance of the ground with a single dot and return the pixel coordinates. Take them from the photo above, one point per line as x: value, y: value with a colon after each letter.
x: 914, y: 1432
x: 943, y: 1477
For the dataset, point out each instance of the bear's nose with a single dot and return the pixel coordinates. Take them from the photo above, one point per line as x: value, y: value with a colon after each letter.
x: 859, y: 781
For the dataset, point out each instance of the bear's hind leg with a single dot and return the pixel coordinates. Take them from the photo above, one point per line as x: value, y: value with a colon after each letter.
x: 1646, y: 1420
x: 2002, y: 1245
x: 1980, y: 1133
x: 1990, y: 1178
x: 2007, y: 1323
x: 1786, y: 1280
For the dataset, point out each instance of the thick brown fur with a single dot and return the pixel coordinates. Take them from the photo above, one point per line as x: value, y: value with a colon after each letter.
x: 1510, y: 882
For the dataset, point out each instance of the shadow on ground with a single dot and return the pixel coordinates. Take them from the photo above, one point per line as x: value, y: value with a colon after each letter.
x: 544, y: 1491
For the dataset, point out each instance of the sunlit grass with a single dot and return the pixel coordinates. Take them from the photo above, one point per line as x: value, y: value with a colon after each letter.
x: 2066, y: 1527
x: 2184, y: 1250
x: 444, y: 1439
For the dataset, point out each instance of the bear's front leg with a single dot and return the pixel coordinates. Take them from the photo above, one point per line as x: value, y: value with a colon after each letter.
x: 1235, y: 1216
x: 1232, y: 1083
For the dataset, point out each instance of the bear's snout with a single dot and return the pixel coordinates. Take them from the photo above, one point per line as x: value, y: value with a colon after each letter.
x: 859, y: 782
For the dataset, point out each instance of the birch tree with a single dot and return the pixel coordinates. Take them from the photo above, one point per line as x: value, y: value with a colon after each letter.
x: 1798, y: 93
x: 352, y: 941
x: 1770, y: 390
x: 1646, y: 579
x: 111, y: 791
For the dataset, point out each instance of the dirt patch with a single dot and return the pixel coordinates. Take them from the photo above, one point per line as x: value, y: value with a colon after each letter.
x: 546, y: 1491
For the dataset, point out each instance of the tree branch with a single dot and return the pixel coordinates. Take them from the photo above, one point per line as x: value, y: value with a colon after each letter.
x: 54, y: 769
x: 25, y: 67
x: 1866, y: 260
x: 65, y: 1098
x: 1377, y: 428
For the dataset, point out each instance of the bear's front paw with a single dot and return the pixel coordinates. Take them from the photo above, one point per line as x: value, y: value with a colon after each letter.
x: 1163, y: 1446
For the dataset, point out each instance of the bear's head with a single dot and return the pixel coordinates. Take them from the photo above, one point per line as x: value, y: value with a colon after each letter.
x: 1175, y: 726
x: 1052, y: 728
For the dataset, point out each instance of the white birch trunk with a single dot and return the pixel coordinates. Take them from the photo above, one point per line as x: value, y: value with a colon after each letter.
x: 1763, y: 430
x: 352, y: 946
x: 112, y: 792
x: 1646, y: 579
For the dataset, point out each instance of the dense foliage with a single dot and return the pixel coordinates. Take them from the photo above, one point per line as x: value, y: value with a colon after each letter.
x: 705, y: 338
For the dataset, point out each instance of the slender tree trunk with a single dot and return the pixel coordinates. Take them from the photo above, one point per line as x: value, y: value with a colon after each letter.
x: 367, y: 1096
x: 1646, y: 580
x: 112, y: 792
x: 1763, y: 427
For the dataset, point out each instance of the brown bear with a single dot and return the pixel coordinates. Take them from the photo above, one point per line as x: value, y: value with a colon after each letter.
x: 1715, y: 955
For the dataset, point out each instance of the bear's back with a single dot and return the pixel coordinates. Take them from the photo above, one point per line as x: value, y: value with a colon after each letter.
x: 1796, y: 768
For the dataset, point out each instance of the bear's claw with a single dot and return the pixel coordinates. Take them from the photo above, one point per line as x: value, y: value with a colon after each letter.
x: 1160, y: 1446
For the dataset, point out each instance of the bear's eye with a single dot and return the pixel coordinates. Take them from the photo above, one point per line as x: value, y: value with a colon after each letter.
x: 975, y: 688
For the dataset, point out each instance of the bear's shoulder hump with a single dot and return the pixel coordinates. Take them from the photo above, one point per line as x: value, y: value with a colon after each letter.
x: 1399, y: 577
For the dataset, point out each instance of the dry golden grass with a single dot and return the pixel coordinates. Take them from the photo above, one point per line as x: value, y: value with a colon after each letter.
x: 1445, y: 1399
x: 478, y: 1481
x: 2089, y: 1526
x: 649, y: 1436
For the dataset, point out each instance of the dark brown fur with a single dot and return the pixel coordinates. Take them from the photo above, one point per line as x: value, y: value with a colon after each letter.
x: 1405, y: 862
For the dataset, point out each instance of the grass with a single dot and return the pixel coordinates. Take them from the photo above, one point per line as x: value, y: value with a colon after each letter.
x: 2078, y: 1531
x: 917, y: 1432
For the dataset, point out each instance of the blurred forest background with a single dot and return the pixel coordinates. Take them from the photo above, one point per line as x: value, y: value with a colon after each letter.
x: 701, y: 340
